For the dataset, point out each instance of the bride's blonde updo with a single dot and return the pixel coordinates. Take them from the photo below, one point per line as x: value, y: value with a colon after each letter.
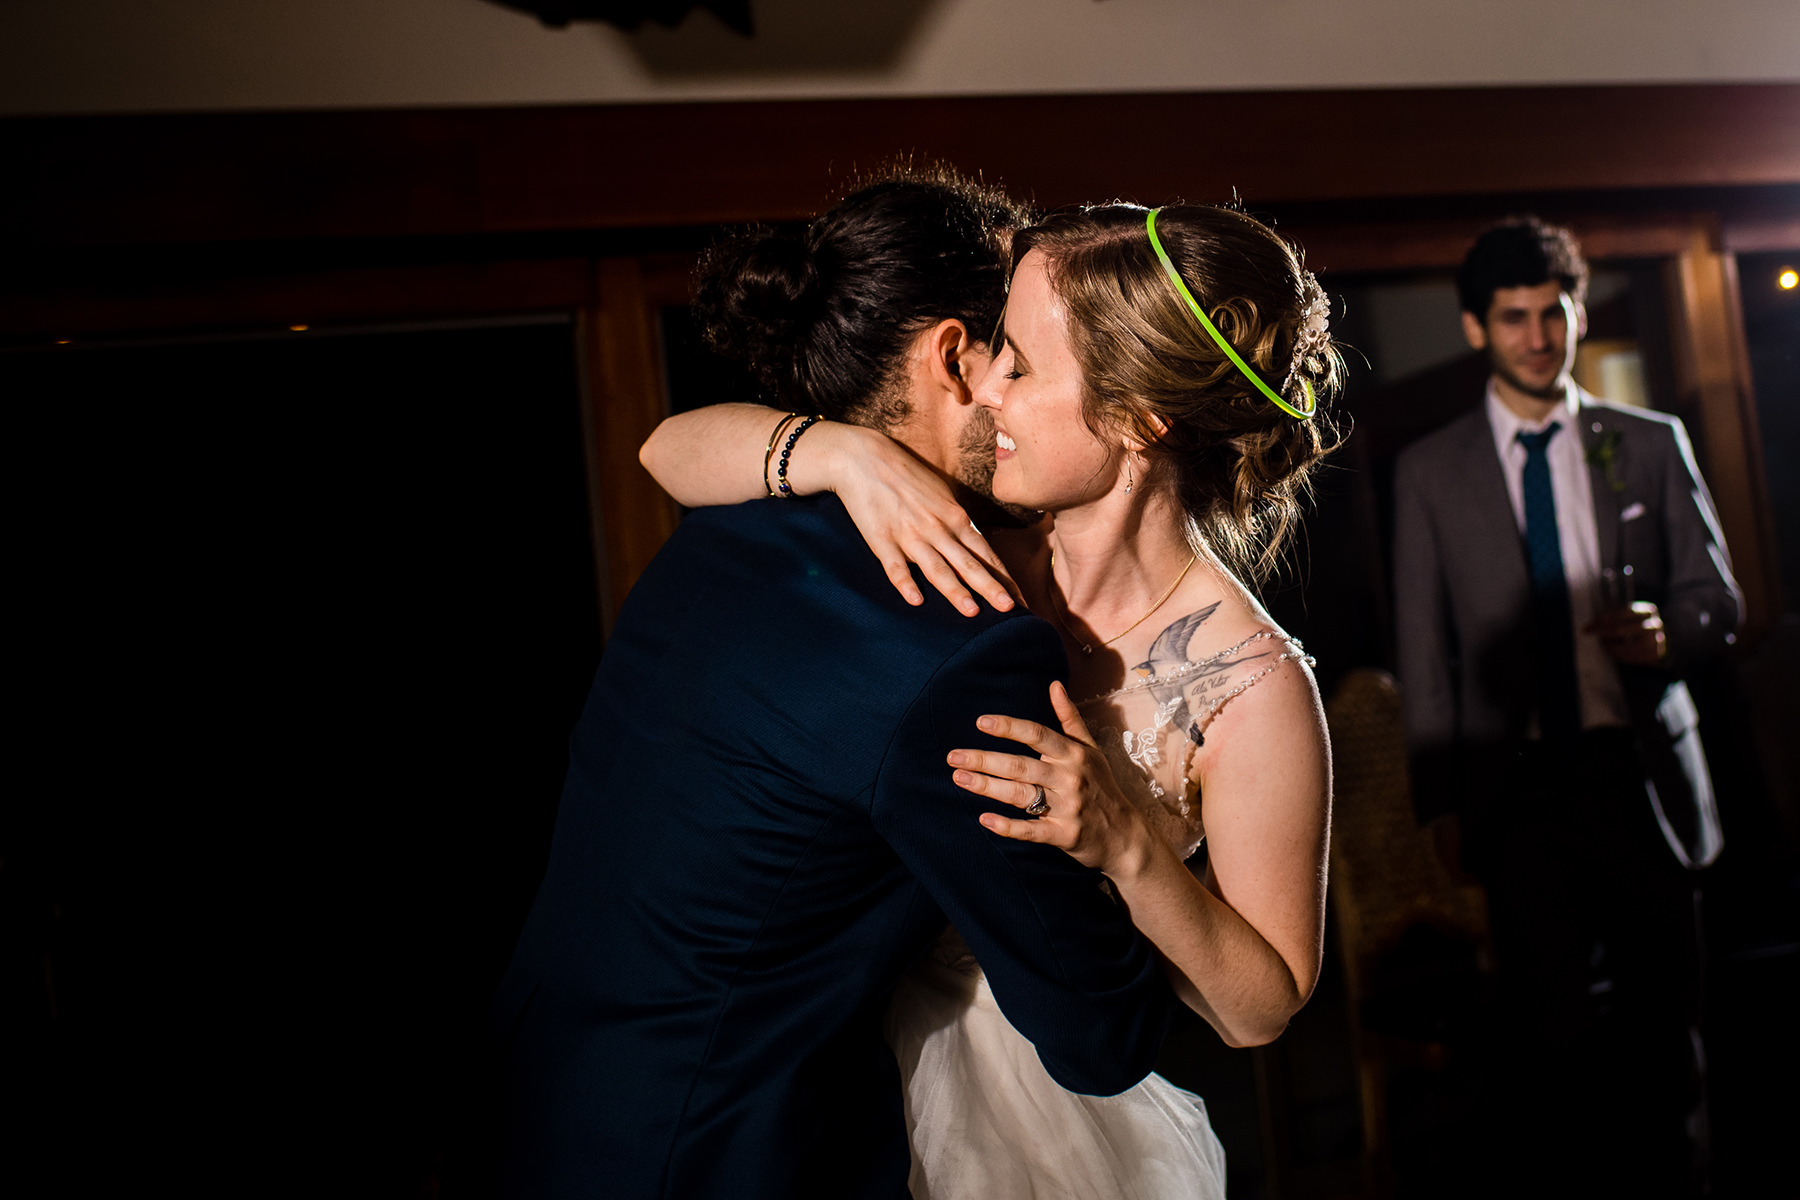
x: 1239, y: 464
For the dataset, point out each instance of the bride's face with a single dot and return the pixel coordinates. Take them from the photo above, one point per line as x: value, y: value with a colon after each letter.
x: 1045, y: 456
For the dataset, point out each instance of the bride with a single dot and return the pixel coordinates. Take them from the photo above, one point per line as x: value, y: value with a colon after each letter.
x: 1153, y: 391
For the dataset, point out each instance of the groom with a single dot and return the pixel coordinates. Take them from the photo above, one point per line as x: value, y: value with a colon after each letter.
x: 759, y: 835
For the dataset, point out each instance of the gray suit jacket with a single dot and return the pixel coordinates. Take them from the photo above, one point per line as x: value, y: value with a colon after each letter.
x: 1461, y: 590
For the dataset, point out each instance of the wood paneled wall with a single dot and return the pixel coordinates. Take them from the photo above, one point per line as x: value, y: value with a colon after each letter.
x: 200, y: 178
x: 159, y: 223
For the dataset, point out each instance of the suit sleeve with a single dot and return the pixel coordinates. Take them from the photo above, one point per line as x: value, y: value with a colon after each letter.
x: 1066, y: 965
x: 1702, y: 604
x: 1424, y: 648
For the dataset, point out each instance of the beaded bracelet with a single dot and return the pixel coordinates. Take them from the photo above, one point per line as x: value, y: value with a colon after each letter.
x: 769, y: 450
x: 781, y: 481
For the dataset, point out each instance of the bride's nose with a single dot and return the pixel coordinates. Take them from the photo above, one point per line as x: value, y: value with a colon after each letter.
x: 987, y: 390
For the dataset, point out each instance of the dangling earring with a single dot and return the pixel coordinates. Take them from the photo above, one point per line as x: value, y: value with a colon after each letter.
x: 1129, y: 477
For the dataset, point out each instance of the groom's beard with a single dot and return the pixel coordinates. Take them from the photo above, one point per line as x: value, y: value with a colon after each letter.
x: 975, y: 470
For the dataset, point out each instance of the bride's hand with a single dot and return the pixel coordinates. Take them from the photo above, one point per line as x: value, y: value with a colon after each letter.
x: 1087, y: 816
x: 907, y: 514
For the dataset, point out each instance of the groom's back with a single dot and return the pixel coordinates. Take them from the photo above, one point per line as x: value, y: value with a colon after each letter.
x: 703, y: 974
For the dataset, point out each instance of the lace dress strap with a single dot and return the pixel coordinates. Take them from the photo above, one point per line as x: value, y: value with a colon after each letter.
x: 1295, y: 651
x: 1210, y: 662
x: 1150, y: 734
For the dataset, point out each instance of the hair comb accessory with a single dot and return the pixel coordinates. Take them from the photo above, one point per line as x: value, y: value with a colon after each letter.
x: 1168, y: 265
x: 1313, y: 333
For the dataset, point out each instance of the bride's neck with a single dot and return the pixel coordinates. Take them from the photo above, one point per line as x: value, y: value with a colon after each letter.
x: 1111, y: 562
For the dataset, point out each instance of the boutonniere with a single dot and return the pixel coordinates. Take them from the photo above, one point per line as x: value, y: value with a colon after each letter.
x: 1605, y: 455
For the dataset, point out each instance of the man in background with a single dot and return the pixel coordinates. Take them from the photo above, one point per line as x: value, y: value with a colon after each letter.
x: 1558, y: 568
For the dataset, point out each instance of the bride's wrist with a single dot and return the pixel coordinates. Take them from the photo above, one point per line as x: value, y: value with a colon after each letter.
x: 1134, y: 855
x: 805, y: 456
x: 838, y: 455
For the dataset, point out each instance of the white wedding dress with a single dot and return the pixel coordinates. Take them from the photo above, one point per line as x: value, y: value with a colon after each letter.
x: 985, y: 1120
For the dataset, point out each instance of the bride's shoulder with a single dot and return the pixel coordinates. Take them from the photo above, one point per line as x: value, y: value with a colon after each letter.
x: 1235, y: 646
x: 1225, y: 617
x: 1259, y: 679
x: 1205, y: 644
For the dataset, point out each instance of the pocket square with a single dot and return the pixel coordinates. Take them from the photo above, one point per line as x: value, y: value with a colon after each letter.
x: 1632, y: 511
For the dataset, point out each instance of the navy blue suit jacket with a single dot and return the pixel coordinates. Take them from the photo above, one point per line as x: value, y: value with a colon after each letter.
x: 758, y: 835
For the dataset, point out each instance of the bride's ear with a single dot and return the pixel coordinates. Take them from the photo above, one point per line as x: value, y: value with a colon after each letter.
x: 1133, y: 445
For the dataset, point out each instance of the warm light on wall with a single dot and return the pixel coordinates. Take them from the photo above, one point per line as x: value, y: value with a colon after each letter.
x: 1789, y: 279
x: 299, y: 328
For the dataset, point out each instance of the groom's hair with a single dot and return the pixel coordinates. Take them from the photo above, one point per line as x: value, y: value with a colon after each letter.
x: 823, y: 316
x: 1520, y: 252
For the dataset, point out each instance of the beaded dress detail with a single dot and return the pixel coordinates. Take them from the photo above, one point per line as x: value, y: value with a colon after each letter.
x: 984, y: 1118
x: 1150, y: 728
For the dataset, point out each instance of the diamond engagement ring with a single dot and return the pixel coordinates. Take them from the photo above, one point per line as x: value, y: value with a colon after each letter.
x: 1039, y: 806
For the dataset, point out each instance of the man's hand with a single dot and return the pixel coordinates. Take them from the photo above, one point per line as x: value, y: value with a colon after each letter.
x: 1632, y: 635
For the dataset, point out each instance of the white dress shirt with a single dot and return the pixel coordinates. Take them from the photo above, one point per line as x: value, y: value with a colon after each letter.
x: 1602, y: 697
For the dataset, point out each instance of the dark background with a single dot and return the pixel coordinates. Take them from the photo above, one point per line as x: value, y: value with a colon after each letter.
x: 306, y: 614
x: 308, y: 631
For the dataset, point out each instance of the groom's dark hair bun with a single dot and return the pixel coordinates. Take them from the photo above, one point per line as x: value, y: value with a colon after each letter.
x: 759, y: 293
x: 823, y: 316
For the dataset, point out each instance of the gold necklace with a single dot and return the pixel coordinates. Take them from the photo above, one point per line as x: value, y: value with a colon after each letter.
x: 1088, y: 647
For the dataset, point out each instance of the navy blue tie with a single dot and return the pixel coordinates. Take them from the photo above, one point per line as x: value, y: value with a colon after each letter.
x: 1558, y: 703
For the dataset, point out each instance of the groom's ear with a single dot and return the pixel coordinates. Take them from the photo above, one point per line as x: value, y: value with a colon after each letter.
x: 953, y: 359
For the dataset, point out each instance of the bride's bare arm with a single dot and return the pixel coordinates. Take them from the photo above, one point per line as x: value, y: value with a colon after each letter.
x: 905, y: 510
x: 1244, y: 948
x: 714, y: 455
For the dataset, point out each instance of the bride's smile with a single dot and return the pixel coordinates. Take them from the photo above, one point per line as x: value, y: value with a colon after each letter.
x: 1047, y: 457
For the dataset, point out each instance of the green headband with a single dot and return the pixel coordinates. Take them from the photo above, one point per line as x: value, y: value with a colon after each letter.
x: 1312, y: 401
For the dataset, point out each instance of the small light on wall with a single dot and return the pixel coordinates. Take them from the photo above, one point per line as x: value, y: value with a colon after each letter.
x: 1789, y: 279
x: 299, y: 328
